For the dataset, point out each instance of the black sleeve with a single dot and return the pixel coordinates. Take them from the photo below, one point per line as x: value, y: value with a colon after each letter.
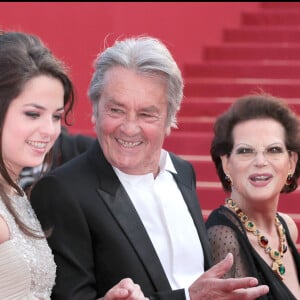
x: 69, y: 238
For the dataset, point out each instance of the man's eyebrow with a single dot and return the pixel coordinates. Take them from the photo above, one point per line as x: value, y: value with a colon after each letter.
x: 152, y: 108
x: 114, y: 102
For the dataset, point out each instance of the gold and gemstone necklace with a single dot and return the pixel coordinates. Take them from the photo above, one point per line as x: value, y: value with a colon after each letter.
x: 276, y: 255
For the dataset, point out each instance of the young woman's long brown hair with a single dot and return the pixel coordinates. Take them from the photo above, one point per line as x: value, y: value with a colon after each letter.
x: 23, y: 57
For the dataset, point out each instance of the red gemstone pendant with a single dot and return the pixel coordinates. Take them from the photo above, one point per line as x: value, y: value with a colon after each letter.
x: 263, y: 241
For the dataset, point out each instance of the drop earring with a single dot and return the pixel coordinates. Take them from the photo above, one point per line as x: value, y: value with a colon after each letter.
x: 289, y: 179
x: 228, y: 179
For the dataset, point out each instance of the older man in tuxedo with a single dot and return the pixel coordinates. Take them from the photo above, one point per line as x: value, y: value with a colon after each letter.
x: 128, y: 207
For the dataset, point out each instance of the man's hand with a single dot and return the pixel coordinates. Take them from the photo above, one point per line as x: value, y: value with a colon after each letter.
x: 210, y: 286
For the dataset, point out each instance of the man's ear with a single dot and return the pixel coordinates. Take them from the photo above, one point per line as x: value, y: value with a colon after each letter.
x: 168, y: 131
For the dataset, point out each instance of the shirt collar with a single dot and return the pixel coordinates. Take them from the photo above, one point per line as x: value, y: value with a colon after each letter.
x: 165, y: 164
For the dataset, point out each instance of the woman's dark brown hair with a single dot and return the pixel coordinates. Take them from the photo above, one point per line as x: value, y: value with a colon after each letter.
x: 22, y: 58
x: 251, y: 107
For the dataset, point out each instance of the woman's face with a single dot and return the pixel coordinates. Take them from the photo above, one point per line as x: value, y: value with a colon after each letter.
x: 259, y: 162
x: 32, y: 123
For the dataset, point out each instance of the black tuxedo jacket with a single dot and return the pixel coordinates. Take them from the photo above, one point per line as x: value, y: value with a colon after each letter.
x: 96, y: 235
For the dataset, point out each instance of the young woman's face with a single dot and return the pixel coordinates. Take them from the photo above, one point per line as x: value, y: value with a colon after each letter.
x: 32, y: 123
x: 259, y: 163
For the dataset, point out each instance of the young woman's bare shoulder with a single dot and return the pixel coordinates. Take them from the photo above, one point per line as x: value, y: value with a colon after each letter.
x: 4, y: 231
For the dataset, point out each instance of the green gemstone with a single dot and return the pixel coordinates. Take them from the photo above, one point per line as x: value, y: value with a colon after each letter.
x: 281, y: 269
x: 276, y: 254
x: 250, y: 224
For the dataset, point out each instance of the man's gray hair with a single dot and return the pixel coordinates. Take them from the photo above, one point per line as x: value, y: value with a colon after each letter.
x: 145, y: 55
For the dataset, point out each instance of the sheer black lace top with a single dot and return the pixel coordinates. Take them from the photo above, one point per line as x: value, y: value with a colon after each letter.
x: 227, y: 234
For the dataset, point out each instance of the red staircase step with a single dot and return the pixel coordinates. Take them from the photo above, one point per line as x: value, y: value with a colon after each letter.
x: 196, y: 124
x: 199, y: 114
x: 244, y: 69
x: 197, y: 106
x: 207, y: 87
x: 205, y: 171
x: 204, y: 167
x: 280, y: 5
x: 210, y: 195
x: 185, y: 143
x: 262, y: 35
x: 257, y: 51
x: 271, y: 18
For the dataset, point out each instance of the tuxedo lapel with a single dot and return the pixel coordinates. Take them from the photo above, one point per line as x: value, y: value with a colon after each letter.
x: 125, y: 214
x: 122, y: 209
x: 184, y: 181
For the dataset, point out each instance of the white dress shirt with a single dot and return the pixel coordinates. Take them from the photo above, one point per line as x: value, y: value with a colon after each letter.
x: 168, y: 222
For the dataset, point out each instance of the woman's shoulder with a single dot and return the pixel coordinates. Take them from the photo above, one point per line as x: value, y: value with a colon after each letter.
x: 5, y: 223
x: 218, y: 216
x: 4, y: 230
x: 291, y: 224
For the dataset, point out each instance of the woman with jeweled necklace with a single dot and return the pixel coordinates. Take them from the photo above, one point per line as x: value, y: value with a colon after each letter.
x: 256, y: 151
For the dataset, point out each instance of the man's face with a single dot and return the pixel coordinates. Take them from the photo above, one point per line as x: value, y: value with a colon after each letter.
x: 131, y: 120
